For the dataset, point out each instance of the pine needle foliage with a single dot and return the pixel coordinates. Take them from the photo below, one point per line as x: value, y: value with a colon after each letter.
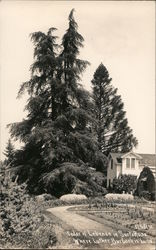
x: 113, y: 132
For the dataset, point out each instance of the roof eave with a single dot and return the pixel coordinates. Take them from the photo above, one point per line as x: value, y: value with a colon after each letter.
x: 131, y: 152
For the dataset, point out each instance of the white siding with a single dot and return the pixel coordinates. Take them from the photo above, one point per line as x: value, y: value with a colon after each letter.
x: 133, y: 171
x: 119, y: 170
x: 122, y: 169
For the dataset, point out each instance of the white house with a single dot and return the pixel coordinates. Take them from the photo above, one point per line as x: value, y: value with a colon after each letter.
x: 129, y: 163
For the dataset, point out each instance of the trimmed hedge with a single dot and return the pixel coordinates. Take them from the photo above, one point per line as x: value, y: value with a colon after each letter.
x: 146, y: 184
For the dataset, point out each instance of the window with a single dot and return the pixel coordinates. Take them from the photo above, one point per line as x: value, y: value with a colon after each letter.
x: 133, y: 163
x: 111, y: 163
x: 127, y: 162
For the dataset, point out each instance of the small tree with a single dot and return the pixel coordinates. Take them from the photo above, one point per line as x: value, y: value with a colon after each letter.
x: 9, y: 153
x: 13, y: 198
x: 125, y: 183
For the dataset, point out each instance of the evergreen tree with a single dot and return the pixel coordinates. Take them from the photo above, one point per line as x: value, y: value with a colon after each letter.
x: 113, y: 132
x: 57, y: 128
x: 146, y: 184
x: 71, y: 66
x: 41, y: 107
x: 9, y: 153
x: 75, y: 140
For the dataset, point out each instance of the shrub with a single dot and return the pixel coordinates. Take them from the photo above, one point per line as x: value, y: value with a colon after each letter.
x: 45, y: 197
x: 146, y: 182
x: 21, y: 217
x: 119, y: 197
x: 126, y: 183
x: 73, y: 197
x: 72, y: 178
x: 43, y: 237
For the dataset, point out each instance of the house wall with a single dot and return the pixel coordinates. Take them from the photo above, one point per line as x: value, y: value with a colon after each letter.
x: 119, y: 170
x: 122, y: 168
x: 133, y: 171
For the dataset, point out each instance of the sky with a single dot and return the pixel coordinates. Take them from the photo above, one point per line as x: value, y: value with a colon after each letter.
x: 120, y: 34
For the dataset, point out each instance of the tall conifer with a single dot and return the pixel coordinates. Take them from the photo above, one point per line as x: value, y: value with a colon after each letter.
x: 56, y: 131
x: 113, y: 132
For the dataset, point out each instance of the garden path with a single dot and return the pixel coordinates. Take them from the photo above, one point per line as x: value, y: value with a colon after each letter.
x: 81, y: 223
x: 78, y: 222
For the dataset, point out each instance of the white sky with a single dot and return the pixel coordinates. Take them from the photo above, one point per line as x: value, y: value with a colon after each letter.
x: 121, y: 34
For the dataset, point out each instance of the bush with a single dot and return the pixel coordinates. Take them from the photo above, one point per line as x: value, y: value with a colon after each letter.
x: 22, y: 221
x: 44, y: 237
x: 125, y: 183
x: 73, y: 197
x: 119, y: 197
x: 146, y: 184
x: 72, y: 178
x: 45, y: 197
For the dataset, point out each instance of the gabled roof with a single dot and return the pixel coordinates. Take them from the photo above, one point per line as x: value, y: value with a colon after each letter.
x: 145, y: 159
x: 148, y: 159
x: 116, y: 157
x: 131, y: 152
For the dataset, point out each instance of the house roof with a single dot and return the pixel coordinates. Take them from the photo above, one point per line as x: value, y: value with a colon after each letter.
x: 116, y: 157
x: 131, y: 152
x: 146, y: 159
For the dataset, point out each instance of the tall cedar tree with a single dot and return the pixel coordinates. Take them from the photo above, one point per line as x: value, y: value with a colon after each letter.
x: 56, y: 129
x: 113, y: 132
x: 41, y: 107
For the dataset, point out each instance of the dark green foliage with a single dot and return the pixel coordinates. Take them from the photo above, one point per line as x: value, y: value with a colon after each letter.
x: 41, y: 107
x: 72, y: 178
x: 146, y: 184
x: 9, y: 153
x: 124, y: 183
x: 100, y: 162
x: 71, y: 66
x: 61, y: 125
x: 113, y: 132
x: 57, y: 129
